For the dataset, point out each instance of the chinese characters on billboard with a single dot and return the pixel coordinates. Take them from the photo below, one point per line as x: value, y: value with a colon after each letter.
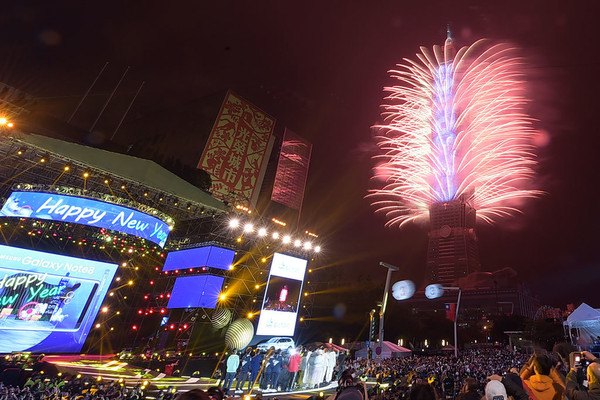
x: 238, y: 150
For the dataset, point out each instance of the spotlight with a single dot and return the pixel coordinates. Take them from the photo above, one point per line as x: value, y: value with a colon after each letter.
x: 222, y: 296
x: 86, y: 174
x: 234, y: 223
x: 275, y: 235
x: 248, y: 228
x: 286, y: 239
x: 317, y: 248
x: 307, y: 245
x: 297, y: 243
x: 262, y: 232
x: 10, y: 124
x: 3, y: 121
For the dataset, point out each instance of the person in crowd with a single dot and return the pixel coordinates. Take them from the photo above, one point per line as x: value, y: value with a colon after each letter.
x: 349, y: 388
x: 233, y: 362
x: 469, y: 390
x: 513, y: 385
x: 575, y: 389
x: 422, y: 391
x: 243, y: 375
x: 495, y: 390
x: 194, y: 394
x: 541, y: 380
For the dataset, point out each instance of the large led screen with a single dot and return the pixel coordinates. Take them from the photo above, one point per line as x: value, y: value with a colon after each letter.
x: 196, y: 291
x: 79, y: 210
x: 207, y: 256
x: 282, y: 296
x: 49, y: 302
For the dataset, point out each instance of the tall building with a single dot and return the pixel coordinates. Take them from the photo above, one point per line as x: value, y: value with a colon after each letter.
x: 452, y: 253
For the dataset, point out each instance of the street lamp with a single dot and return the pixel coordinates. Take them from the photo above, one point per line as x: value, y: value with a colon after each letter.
x: 391, y: 269
x: 436, y: 290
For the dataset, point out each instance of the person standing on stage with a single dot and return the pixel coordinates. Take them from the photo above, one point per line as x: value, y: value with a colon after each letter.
x: 245, y: 363
x: 277, y: 362
x: 331, y: 361
x: 233, y: 362
x: 293, y: 367
x: 303, y: 374
x: 255, y: 365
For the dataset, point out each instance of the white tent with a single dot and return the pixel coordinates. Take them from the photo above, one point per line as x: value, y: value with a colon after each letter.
x: 584, y: 326
x: 388, y: 350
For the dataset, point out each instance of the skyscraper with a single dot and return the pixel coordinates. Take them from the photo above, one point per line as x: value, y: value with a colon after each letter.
x: 452, y: 251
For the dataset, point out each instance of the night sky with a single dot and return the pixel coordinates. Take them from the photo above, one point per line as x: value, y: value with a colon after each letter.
x: 319, y: 68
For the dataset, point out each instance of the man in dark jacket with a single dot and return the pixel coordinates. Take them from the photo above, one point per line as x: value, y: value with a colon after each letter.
x: 245, y: 364
x: 255, y: 365
x: 574, y: 390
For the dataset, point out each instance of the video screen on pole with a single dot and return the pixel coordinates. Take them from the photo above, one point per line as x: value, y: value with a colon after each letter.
x: 282, y: 296
x: 201, y: 291
x: 48, y: 302
x: 207, y: 256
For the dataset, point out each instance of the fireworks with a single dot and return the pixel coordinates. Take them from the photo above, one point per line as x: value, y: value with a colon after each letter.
x: 456, y: 128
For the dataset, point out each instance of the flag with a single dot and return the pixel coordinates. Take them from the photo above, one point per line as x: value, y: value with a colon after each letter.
x: 451, y: 311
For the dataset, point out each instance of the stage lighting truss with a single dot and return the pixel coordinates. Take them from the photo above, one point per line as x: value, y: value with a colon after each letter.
x: 275, y: 233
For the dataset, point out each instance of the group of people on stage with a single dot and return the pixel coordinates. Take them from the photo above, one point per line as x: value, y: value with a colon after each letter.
x: 277, y: 370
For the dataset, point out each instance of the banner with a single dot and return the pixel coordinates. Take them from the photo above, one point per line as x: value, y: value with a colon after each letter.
x: 292, y: 171
x: 80, y: 210
x: 237, y: 151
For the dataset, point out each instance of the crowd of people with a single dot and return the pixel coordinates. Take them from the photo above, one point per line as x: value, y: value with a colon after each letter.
x: 492, y: 374
x: 42, y: 387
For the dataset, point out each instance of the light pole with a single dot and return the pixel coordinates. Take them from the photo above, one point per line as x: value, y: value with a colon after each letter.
x: 391, y: 269
x: 436, y: 290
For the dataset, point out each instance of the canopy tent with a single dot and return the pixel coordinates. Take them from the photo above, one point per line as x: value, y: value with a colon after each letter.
x: 388, y: 350
x: 336, y: 347
x: 584, y: 326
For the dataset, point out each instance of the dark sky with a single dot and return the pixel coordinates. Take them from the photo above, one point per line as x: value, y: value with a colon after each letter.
x: 319, y: 68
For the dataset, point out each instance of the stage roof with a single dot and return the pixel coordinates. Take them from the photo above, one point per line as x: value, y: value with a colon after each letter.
x: 143, y: 171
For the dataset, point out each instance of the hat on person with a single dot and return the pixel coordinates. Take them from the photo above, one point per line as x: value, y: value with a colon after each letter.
x: 495, y: 390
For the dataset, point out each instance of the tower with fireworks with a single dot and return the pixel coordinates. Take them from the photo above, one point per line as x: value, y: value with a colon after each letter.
x: 456, y: 146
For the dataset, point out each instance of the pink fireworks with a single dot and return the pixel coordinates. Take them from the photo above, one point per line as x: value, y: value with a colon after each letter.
x: 456, y: 128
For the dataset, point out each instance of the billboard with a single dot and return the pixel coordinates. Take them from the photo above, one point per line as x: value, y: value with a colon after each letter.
x: 196, y: 291
x: 80, y: 210
x: 292, y: 171
x: 48, y: 302
x: 207, y: 256
x: 282, y: 296
x: 237, y: 151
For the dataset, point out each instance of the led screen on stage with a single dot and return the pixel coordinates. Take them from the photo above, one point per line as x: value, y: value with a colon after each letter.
x: 196, y: 291
x: 48, y: 302
x: 282, y: 296
x: 207, y: 256
x: 57, y: 207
